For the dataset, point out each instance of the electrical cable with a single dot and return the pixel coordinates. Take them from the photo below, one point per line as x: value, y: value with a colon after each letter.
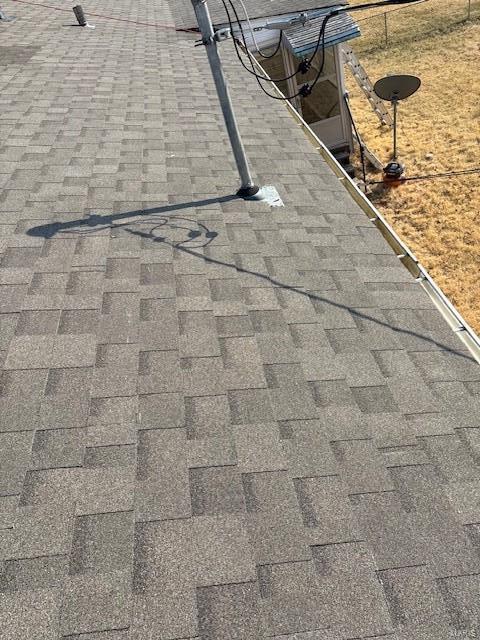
x: 98, y: 15
x: 239, y: 56
x: 306, y: 63
x: 376, y: 15
x: 303, y: 66
x: 431, y: 176
x: 307, y: 88
x: 359, y: 140
x: 252, y: 33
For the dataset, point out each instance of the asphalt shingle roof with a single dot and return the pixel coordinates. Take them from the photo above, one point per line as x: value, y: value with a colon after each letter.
x: 217, y: 420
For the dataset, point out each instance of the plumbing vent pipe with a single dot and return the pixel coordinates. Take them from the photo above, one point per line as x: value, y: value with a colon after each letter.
x: 80, y: 16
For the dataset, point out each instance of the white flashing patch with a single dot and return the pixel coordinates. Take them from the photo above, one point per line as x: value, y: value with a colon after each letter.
x: 271, y: 196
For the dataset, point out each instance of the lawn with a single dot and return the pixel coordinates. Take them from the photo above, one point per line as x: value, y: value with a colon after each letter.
x: 439, y: 130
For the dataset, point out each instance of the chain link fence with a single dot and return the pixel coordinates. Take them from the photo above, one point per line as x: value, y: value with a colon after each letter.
x: 390, y: 28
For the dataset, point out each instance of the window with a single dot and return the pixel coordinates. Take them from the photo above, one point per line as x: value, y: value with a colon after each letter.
x: 324, y: 100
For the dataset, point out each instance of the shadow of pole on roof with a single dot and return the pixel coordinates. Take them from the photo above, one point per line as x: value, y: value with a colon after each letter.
x: 53, y: 228
x: 202, y: 237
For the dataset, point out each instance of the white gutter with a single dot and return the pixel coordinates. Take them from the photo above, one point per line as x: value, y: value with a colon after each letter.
x: 452, y: 316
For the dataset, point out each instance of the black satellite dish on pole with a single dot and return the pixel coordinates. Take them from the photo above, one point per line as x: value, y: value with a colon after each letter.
x: 394, y: 89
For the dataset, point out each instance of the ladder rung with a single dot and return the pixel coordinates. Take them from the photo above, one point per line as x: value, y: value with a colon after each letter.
x: 366, y: 85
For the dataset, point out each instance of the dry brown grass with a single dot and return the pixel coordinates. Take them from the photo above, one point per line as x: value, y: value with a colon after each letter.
x: 406, y: 23
x: 439, y: 131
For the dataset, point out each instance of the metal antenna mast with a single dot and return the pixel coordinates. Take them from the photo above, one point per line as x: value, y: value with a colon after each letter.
x: 248, y: 188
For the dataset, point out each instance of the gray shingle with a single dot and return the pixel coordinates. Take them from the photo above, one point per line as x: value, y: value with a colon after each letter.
x: 443, y: 365
x: 293, y: 598
x: 390, y: 430
x: 242, y: 363
x: 159, y: 372
x: 43, y: 351
x: 158, y: 327
x: 161, y: 411
x: 20, y: 257
x: 165, y: 613
x: 332, y: 393
x: 391, y: 532
x: 432, y: 424
x: 122, y: 634
x: 15, y: 451
x: 56, y: 411
x: 95, y: 602
x: 8, y: 323
x: 216, y: 490
x: 58, y: 448
x: 37, y: 322
x: 198, y: 336
x: 30, y: 614
x: 116, y: 368
x: 274, y: 520
x: 449, y: 551
x: 375, y: 399
x: 290, y: 393
x: 41, y: 531
x: 326, y: 510
x: 471, y: 438
x: 258, y: 447
x: 207, y: 417
x: 353, y: 596
x: 8, y: 508
x: 203, y: 377
x: 414, y: 599
x: 46, y: 572
x: 309, y: 456
x: 119, y: 319
x: 77, y: 321
x: 250, y: 406
x: 30, y: 352
x: 230, y: 611
x: 106, y: 490
x: 162, y: 487
x: 465, y: 500
x: 233, y: 326
x: 361, y: 466
x: 122, y: 455
x: 177, y: 555
x: 462, y: 595
x: 452, y: 458
x: 102, y: 543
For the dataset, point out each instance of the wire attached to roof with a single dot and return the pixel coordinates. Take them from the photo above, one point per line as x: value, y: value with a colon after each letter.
x: 359, y: 140
x: 307, y: 88
x: 431, y: 176
x: 252, y: 33
x: 104, y: 17
x: 303, y: 66
x: 240, y: 28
